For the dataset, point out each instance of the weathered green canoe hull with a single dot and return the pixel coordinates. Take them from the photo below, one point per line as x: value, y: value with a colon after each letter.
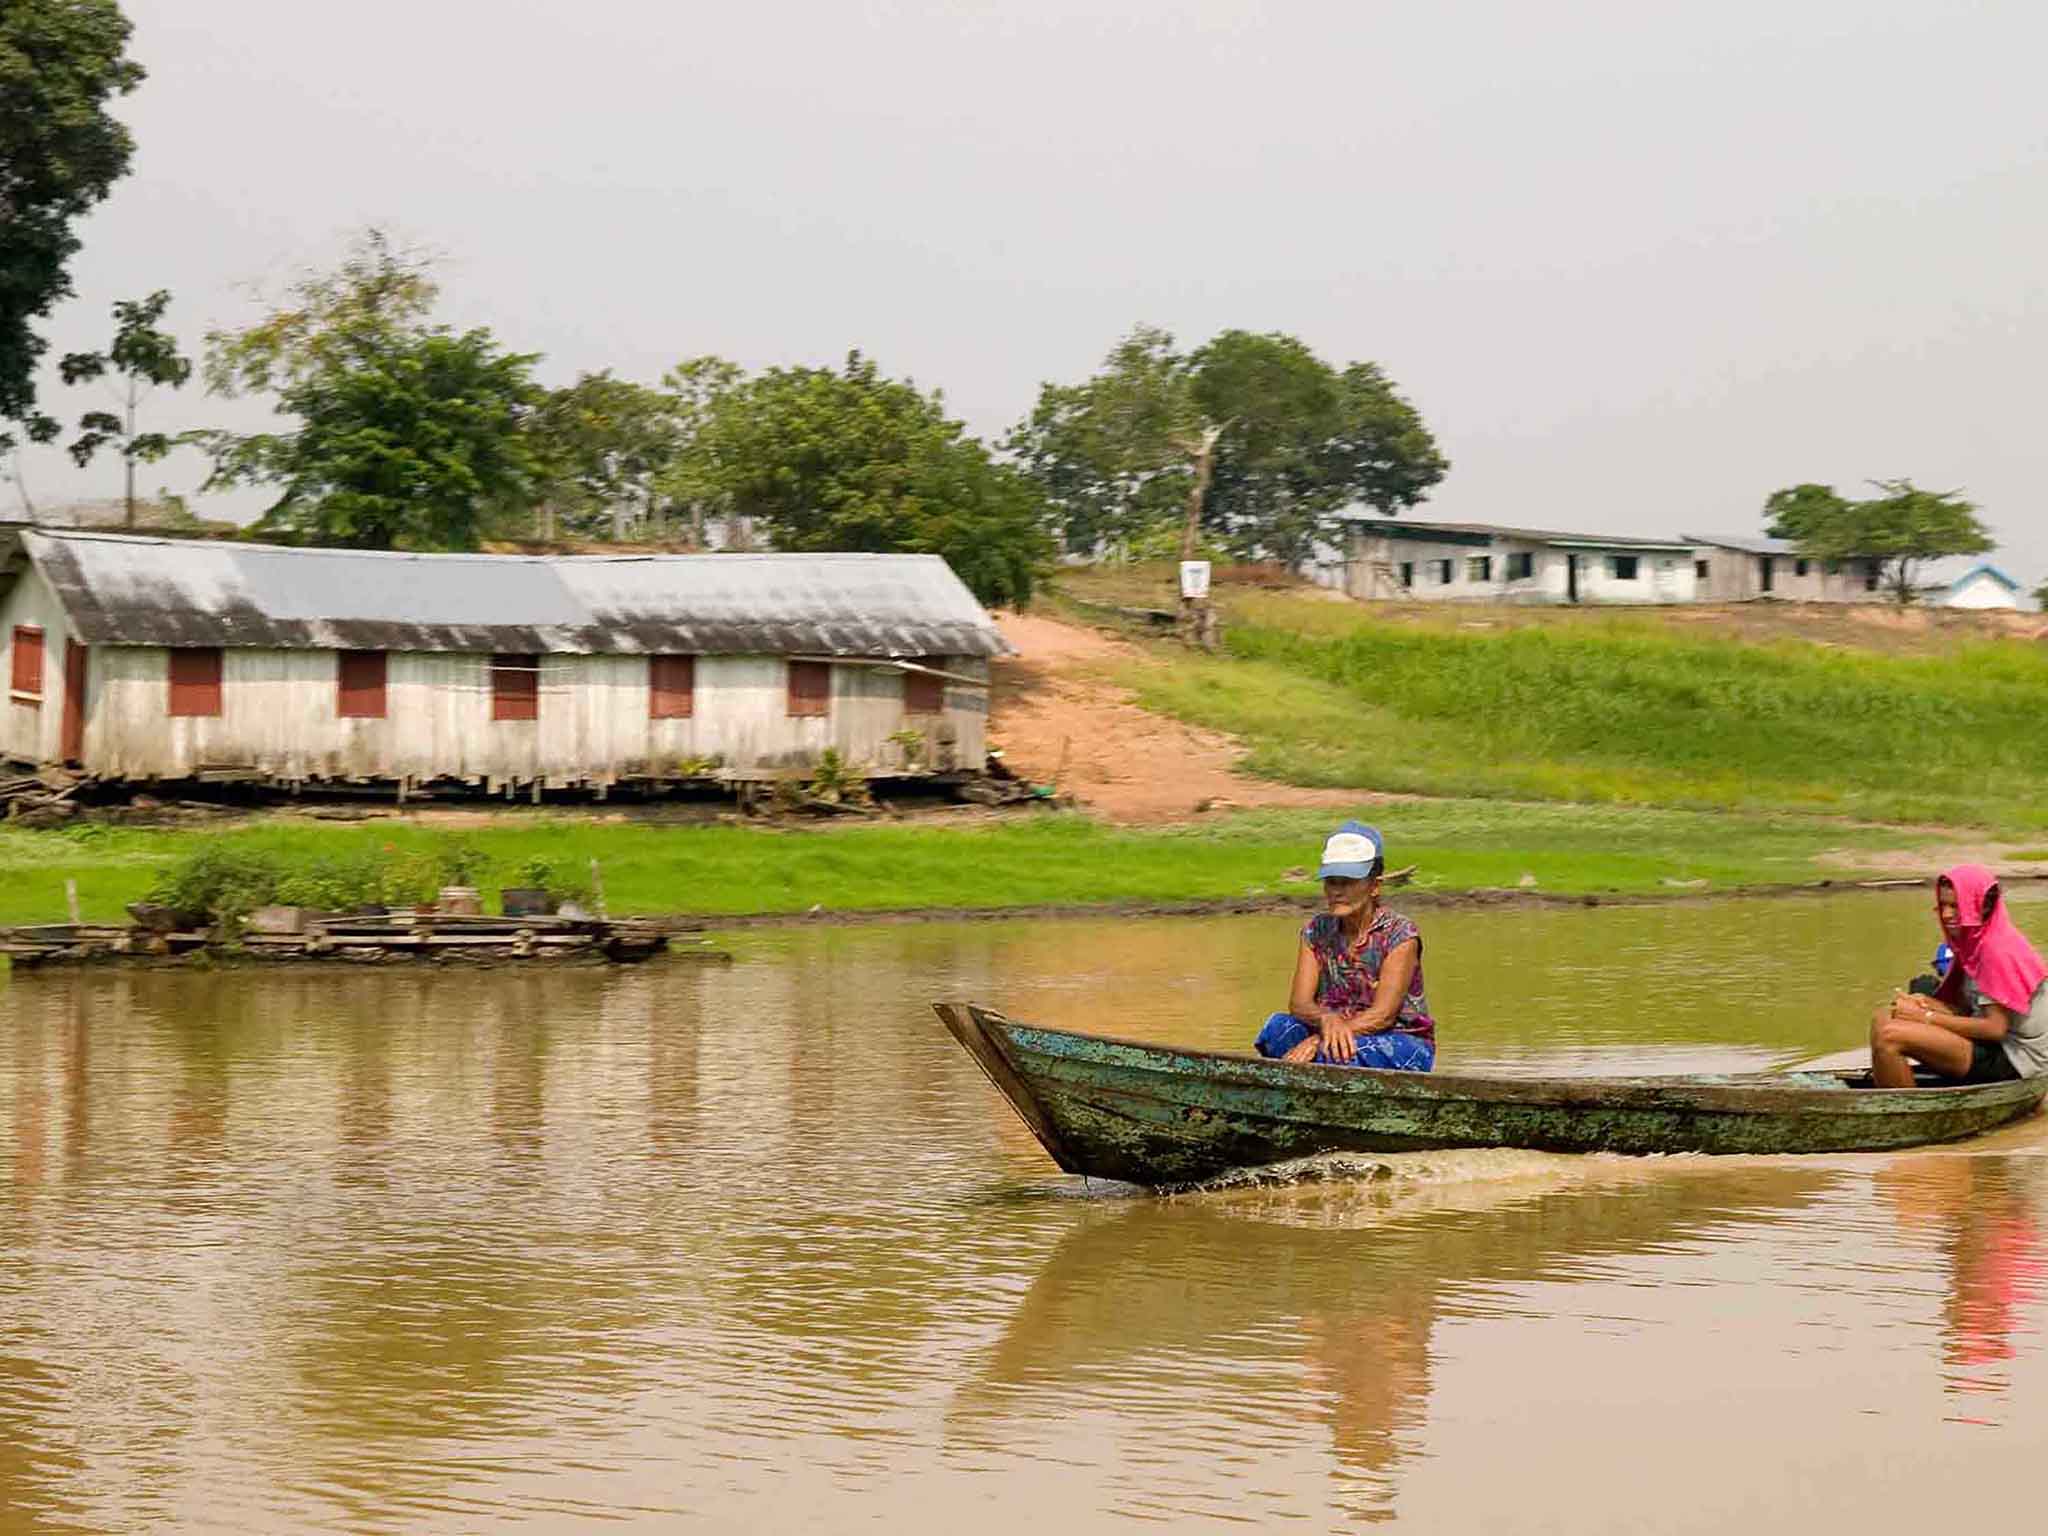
x: 1118, y: 1109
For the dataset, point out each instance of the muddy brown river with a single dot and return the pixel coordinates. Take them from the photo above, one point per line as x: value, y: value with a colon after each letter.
x: 756, y: 1249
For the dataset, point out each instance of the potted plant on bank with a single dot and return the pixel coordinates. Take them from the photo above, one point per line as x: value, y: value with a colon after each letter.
x: 543, y: 887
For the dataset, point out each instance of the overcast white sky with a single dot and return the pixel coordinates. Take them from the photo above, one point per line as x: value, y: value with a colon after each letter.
x: 1638, y: 262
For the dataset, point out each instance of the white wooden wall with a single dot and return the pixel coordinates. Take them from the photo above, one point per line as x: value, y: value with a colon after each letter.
x: 27, y: 732
x: 279, y: 718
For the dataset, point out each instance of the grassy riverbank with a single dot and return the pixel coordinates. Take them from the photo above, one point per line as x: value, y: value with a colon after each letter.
x: 1663, y: 709
x: 1042, y: 860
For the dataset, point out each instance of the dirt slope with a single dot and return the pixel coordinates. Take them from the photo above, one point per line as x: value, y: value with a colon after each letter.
x: 1053, y: 715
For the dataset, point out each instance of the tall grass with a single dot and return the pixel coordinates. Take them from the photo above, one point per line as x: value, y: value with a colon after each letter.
x: 1627, y: 712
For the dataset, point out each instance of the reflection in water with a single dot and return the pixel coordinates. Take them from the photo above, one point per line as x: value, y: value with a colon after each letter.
x: 1982, y: 1214
x: 387, y: 1249
x: 1348, y: 1285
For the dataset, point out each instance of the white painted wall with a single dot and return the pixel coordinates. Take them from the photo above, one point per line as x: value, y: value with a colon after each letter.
x: 279, y: 717
x: 1736, y: 576
x: 1425, y: 558
x: 1660, y: 577
x: 1981, y: 590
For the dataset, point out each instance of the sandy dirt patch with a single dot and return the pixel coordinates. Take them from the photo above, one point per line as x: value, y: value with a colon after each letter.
x: 1056, y: 719
x: 1942, y: 850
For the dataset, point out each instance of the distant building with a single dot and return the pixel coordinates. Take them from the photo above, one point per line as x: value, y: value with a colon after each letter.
x: 1982, y: 586
x: 1740, y: 570
x: 141, y: 658
x: 1402, y: 560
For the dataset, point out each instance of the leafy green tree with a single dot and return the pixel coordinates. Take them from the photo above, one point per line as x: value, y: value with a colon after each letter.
x: 693, y: 480
x: 408, y: 435
x: 1801, y: 511
x: 845, y: 459
x: 600, y: 443
x: 1116, y: 454
x: 145, y: 357
x: 1252, y: 437
x: 61, y: 151
x: 2041, y: 597
x: 1902, y: 527
x: 377, y: 290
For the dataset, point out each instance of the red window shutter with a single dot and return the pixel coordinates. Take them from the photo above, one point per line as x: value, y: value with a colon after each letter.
x: 810, y: 688
x: 924, y: 694
x: 28, y: 664
x: 671, y: 687
x: 195, y: 681
x: 359, y: 684
x: 515, y: 687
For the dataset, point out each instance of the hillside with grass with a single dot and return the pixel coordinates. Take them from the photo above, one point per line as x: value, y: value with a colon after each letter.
x: 1874, y: 715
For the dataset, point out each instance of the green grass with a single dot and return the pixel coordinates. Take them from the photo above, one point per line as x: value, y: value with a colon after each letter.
x: 1049, y: 859
x: 1621, y: 712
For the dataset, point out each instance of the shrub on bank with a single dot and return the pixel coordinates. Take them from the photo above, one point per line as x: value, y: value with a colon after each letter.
x: 223, y: 882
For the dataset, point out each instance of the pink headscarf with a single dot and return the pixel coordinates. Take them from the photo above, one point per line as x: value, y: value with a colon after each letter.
x: 1993, y: 954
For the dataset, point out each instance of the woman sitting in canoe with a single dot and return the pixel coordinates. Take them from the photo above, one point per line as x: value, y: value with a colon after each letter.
x: 1988, y: 1021
x: 1357, y: 996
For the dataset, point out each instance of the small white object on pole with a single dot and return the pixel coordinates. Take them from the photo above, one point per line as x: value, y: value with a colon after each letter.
x: 1194, y: 579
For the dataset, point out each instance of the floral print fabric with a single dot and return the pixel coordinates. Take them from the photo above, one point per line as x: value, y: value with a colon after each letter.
x: 1348, y: 978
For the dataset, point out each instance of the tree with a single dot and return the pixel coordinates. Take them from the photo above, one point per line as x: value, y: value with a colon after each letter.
x: 145, y: 357
x: 61, y: 62
x: 1114, y: 456
x: 408, y: 435
x: 693, y: 479
x: 39, y: 429
x: 600, y: 443
x: 1901, y: 528
x: 1252, y: 437
x: 378, y: 289
x: 2041, y: 597
x: 849, y: 460
x: 1801, y: 511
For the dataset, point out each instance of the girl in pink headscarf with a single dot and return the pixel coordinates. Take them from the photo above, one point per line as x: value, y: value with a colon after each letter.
x: 1989, y: 1021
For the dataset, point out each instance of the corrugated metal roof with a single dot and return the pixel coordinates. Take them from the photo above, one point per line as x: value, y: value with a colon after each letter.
x: 1745, y: 545
x: 1398, y: 527
x: 141, y: 591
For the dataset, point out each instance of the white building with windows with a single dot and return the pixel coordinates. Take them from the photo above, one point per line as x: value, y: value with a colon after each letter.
x: 1398, y: 559
x: 150, y: 658
x: 1734, y: 569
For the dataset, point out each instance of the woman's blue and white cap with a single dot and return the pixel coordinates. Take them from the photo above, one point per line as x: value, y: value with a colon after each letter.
x: 1354, y: 852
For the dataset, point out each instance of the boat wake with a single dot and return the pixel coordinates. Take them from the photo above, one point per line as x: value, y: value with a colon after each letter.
x: 1416, y: 1179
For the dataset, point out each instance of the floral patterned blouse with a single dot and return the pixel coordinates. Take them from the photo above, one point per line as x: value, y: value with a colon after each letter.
x: 1347, y: 978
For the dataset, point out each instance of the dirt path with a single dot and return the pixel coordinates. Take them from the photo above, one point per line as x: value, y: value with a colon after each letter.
x: 1052, y: 714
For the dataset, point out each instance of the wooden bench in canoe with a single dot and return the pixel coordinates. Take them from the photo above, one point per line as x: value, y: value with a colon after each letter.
x: 1148, y: 1114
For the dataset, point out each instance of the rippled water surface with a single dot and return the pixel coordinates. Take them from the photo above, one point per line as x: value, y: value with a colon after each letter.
x: 756, y: 1248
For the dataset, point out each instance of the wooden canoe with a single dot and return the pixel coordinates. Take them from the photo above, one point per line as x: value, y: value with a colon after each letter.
x: 1148, y: 1114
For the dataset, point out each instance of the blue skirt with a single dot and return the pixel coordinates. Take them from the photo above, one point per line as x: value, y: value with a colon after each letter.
x: 1392, y: 1051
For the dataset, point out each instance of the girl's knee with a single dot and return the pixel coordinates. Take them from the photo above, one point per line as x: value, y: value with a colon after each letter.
x: 1281, y: 1034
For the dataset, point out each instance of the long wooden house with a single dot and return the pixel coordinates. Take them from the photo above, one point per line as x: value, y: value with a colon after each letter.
x: 146, y: 658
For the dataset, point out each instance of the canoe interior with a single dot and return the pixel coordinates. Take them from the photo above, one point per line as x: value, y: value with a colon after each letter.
x: 1148, y: 1114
